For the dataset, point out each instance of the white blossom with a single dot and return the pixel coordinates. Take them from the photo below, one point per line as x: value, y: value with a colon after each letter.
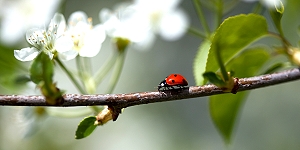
x: 141, y: 20
x: 86, y: 37
x: 50, y: 41
x: 164, y: 17
x: 120, y: 23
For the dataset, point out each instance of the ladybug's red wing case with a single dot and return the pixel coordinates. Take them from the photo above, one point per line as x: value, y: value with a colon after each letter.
x: 176, y: 80
x: 171, y: 81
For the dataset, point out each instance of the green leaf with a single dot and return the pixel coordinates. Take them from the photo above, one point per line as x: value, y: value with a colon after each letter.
x: 214, y: 78
x: 10, y: 68
x: 41, y: 73
x: 22, y: 79
x: 276, y: 14
x: 85, y: 127
x: 224, y: 108
x: 200, y: 62
x: 276, y: 67
x: 224, y: 111
x: 9, y: 64
x: 298, y: 31
x: 233, y: 35
x: 41, y: 69
x: 36, y: 70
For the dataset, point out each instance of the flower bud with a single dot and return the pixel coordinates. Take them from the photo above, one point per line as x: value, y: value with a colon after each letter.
x: 121, y: 43
x: 104, y: 116
x: 295, y: 55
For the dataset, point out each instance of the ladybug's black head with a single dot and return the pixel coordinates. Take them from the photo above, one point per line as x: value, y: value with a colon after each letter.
x: 162, y: 84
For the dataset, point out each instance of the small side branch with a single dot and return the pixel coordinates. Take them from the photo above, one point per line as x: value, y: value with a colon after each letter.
x: 132, y: 99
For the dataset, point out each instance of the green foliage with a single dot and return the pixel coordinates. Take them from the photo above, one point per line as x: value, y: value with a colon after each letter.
x: 10, y: 69
x: 41, y: 69
x: 276, y: 14
x: 41, y: 73
x: 233, y: 35
x: 230, y: 39
x: 224, y: 108
x: 85, y: 127
x: 7, y: 61
x: 224, y: 111
x: 276, y: 67
x: 214, y: 78
x: 200, y: 62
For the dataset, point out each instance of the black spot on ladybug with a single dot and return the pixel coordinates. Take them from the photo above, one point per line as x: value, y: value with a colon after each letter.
x: 173, y: 81
x: 175, y: 75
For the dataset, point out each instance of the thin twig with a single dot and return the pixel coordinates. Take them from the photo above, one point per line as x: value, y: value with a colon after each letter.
x: 132, y: 99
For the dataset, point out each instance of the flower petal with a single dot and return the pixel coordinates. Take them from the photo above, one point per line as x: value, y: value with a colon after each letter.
x: 91, y: 45
x: 63, y: 44
x: 100, y: 32
x: 90, y: 49
x: 110, y: 21
x: 26, y: 54
x: 93, y: 41
x: 57, y: 24
x: 173, y: 25
x: 151, y: 6
x: 144, y: 43
x: 33, y: 36
x: 78, y: 16
x: 68, y: 55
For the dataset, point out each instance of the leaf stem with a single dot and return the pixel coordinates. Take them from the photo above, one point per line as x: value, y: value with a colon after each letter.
x: 202, y: 19
x: 196, y: 32
x: 70, y: 75
x: 84, y: 71
x: 220, y: 62
x: 257, y: 9
x: 87, y: 65
x: 117, y: 71
x: 106, y: 67
x: 280, y: 37
x: 219, y: 12
x: 80, y: 69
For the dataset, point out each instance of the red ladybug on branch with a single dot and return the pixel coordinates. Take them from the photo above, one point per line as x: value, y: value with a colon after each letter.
x: 171, y: 81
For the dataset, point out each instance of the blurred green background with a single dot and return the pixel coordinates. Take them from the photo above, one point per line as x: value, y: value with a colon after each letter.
x: 269, y: 120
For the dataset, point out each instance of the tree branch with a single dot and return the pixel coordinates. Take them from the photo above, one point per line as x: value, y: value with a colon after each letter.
x: 132, y: 99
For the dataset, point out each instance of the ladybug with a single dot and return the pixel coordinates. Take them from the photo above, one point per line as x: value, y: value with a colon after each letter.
x: 171, y: 81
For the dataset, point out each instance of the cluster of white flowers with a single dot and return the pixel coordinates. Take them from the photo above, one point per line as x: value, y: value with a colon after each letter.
x: 138, y: 22
x: 141, y: 20
x: 79, y: 38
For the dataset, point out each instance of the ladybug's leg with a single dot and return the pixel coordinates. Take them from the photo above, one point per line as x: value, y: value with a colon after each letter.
x: 181, y: 87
